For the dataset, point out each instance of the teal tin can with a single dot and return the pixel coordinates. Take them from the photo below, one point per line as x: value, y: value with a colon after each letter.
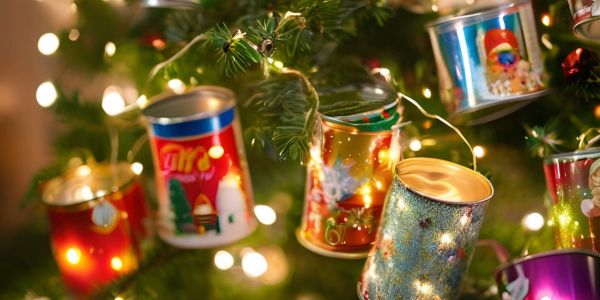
x: 428, y: 230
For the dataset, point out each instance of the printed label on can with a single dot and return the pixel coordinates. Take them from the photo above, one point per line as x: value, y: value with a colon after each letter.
x: 490, y: 60
x: 345, y: 190
x: 204, y: 184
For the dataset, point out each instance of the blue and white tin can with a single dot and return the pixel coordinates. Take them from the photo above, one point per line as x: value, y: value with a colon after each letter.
x: 489, y: 61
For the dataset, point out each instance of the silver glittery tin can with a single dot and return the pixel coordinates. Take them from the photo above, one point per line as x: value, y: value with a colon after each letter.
x: 489, y: 61
x: 429, y: 227
x: 586, y: 18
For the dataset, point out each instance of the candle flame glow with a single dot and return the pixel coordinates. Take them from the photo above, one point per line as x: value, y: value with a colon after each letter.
x: 116, y: 263
x: 73, y: 255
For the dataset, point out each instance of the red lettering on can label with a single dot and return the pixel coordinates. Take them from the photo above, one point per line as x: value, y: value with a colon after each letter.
x: 203, y: 180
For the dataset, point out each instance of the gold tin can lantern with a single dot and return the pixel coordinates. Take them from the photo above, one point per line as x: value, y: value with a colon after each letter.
x: 428, y: 231
x: 202, y: 179
x: 348, y: 177
x: 489, y: 61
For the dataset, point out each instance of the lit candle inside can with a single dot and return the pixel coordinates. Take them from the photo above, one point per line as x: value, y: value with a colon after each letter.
x: 90, y: 210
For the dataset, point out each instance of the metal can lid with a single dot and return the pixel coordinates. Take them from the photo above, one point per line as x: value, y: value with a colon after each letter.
x: 199, y: 103
x: 476, y: 14
x: 443, y: 181
x: 86, y: 184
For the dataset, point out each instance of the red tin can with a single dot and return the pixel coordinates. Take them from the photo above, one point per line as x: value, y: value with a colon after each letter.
x: 202, y: 176
x: 98, y: 217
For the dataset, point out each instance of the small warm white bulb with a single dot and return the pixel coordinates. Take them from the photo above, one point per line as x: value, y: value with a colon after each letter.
x: 415, y: 145
x: 479, y: 151
x: 137, y: 168
x: 110, y: 49
x: 46, y: 94
x: 265, y: 214
x: 112, y: 101
x: 48, y: 43
x: 223, y: 260
x: 427, y: 93
x: 533, y: 221
x: 176, y: 85
x: 254, y: 264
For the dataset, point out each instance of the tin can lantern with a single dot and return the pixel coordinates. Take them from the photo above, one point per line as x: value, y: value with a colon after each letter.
x: 489, y: 62
x: 573, y: 181
x: 586, y: 18
x: 97, y: 217
x: 203, y: 185
x: 429, y: 227
x: 348, y: 176
x: 558, y: 274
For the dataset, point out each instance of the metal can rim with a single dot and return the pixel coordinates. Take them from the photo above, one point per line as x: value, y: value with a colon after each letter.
x: 80, y: 204
x: 223, y: 94
x: 520, y: 260
x: 480, y: 12
x: 574, y: 155
x: 477, y: 175
x: 581, y: 33
x: 367, y: 128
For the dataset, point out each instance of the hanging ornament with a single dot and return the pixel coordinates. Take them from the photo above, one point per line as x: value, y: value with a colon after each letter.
x: 201, y: 168
x: 98, y: 220
x: 421, y: 224
x: 488, y: 62
x: 579, y: 63
x: 573, y: 182
x: 350, y: 170
x: 104, y: 215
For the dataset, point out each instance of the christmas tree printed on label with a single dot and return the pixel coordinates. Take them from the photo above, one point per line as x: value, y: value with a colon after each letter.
x: 507, y: 71
x: 180, y: 207
x: 205, y: 187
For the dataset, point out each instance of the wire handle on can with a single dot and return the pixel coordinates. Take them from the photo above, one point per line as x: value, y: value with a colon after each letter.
x: 582, y: 144
x: 424, y: 112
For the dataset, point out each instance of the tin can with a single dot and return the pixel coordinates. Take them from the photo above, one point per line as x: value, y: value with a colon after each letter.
x: 558, y: 274
x: 203, y: 185
x: 586, y: 18
x: 348, y: 176
x: 97, y: 218
x: 429, y: 228
x: 489, y: 62
x: 573, y: 181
